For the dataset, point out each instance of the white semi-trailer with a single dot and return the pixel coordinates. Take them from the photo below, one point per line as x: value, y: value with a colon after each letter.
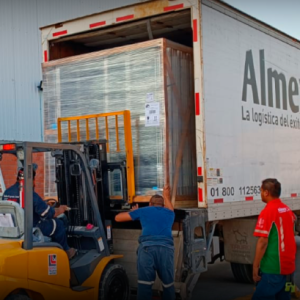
x: 247, y: 122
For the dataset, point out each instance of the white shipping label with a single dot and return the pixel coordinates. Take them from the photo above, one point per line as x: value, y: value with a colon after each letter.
x: 152, y: 111
x: 214, y: 172
x: 150, y: 97
x: 212, y: 181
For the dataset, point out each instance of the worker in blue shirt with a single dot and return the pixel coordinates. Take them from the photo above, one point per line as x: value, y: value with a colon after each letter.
x: 44, y: 216
x: 156, y: 247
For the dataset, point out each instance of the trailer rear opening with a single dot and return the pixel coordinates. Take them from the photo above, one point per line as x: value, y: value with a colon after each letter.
x: 117, y: 56
x: 174, y: 26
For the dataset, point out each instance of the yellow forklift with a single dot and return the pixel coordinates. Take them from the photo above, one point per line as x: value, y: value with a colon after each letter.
x: 83, y: 169
x: 34, y: 267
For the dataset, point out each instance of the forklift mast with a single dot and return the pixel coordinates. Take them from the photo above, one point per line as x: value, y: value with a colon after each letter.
x: 113, y: 181
x: 75, y: 189
x: 99, y: 148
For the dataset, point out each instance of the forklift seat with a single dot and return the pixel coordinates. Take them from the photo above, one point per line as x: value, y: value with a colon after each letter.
x: 11, y: 219
x: 12, y: 223
x: 38, y: 236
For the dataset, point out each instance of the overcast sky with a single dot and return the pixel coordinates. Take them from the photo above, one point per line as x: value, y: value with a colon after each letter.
x: 281, y: 14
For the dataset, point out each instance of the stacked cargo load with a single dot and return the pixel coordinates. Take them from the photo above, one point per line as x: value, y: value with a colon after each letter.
x: 154, y: 81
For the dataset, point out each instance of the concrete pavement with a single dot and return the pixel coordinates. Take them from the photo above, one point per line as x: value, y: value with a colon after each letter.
x: 218, y: 282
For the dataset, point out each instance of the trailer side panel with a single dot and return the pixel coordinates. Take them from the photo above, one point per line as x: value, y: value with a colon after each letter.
x: 252, y: 122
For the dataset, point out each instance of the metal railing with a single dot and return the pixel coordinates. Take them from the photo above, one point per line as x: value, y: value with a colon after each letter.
x: 106, y: 117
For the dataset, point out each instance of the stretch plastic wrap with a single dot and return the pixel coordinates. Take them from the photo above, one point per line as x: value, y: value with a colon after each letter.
x: 138, y: 78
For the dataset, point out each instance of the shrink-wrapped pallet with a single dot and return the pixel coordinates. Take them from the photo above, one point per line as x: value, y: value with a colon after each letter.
x: 154, y: 80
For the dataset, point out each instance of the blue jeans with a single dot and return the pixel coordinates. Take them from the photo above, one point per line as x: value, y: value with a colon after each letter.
x: 58, y: 234
x: 65, y: 220
x: 152, y: 259
x: 271, y: 287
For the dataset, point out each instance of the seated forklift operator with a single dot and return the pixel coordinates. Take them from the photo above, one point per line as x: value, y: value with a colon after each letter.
x: 44, y: 216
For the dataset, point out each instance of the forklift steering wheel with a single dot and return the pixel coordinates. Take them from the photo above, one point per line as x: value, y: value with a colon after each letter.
x: 52, y: 202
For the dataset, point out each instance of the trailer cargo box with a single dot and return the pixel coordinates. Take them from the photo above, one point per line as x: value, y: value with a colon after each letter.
x: 245, y: 113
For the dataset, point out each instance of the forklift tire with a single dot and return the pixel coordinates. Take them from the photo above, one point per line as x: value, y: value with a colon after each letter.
x: 242, y: 272
x: 114, y: 283
x: 17, y: 297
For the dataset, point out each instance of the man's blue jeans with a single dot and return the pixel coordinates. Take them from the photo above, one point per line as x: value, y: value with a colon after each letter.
x: 58, y: 234
x: 152, y: 259
x: 271, y: 287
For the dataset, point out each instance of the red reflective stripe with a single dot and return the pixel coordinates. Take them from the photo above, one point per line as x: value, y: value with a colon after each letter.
x: 195, y: 30
x: 173, y: 7
x: 60, y: 33
x: 294, y: 195
x: 218, y: 201
x: 197, y: 100
x: 125, y: 18
x: 199, y: 171
x: 249, y: 198
x: 200, y: 195
x: 45, y: 56
x: 97, y: 24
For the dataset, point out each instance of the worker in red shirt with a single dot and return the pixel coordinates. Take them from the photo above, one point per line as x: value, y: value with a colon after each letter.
x: 274, y: 262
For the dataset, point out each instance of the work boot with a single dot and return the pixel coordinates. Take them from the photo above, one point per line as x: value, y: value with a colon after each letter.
x: 71, y: 253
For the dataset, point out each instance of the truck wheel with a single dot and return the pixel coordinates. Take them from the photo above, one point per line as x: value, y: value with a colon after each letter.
x: 242, y: 272
x: 18, y: 297
x: 114, y: 283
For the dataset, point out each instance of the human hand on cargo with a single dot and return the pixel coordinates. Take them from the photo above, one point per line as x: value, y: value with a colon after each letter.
x: 167, y: 192
x: 167, y: 197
